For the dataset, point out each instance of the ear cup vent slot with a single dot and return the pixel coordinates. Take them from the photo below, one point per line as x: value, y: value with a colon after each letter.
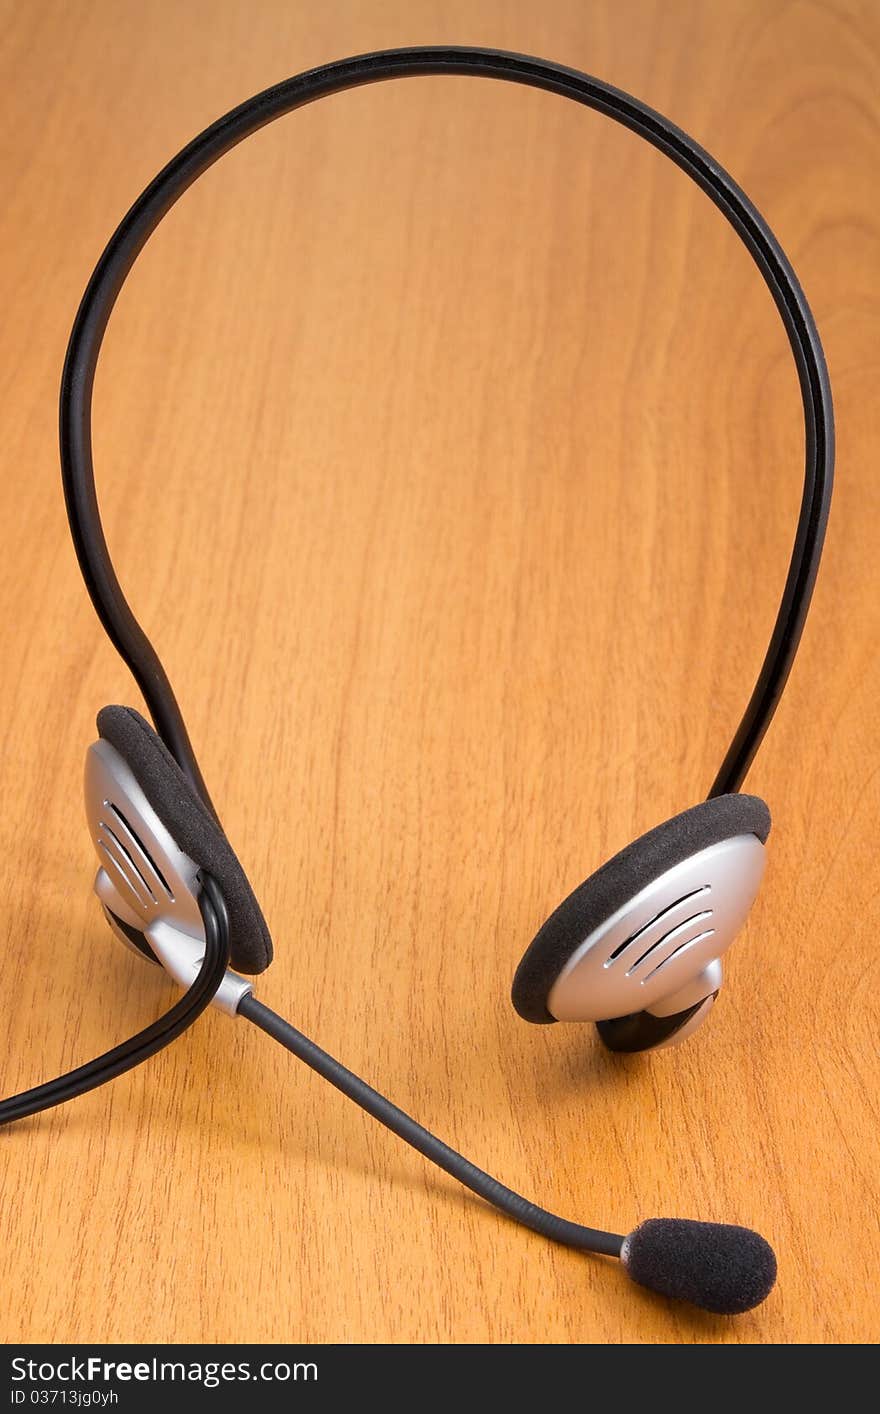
x: 646, y: 931
x: 133, y: 861
x: 672, y: 936
x: 676, y: 952
x: 124, y: 872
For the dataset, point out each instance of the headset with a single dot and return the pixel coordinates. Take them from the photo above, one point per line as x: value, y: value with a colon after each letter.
x: 636, y: 948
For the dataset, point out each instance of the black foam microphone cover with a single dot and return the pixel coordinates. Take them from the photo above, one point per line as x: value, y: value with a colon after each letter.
x: 718, y: 1266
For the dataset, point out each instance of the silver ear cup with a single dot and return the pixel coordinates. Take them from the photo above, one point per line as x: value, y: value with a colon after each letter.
x: 657, y: 947
x: 143, y: 876
x: 146, y: 884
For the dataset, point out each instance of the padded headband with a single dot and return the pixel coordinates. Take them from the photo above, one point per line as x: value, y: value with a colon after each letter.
x: 135, y: 229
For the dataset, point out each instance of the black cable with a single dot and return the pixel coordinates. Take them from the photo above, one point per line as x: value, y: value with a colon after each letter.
x: 587, y: 1239
x: 85, y: 342
x: 154, y: 1037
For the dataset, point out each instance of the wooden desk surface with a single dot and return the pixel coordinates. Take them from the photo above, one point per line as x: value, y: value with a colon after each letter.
x: 449, y: 447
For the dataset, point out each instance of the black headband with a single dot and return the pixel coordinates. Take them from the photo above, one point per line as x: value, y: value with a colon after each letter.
x: 146, y: 213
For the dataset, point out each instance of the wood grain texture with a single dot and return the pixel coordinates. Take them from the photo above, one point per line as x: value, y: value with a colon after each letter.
x: 449, y: 447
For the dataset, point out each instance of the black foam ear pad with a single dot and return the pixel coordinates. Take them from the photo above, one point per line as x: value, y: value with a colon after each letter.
x: 195, y: 830
x: 620, y: 880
